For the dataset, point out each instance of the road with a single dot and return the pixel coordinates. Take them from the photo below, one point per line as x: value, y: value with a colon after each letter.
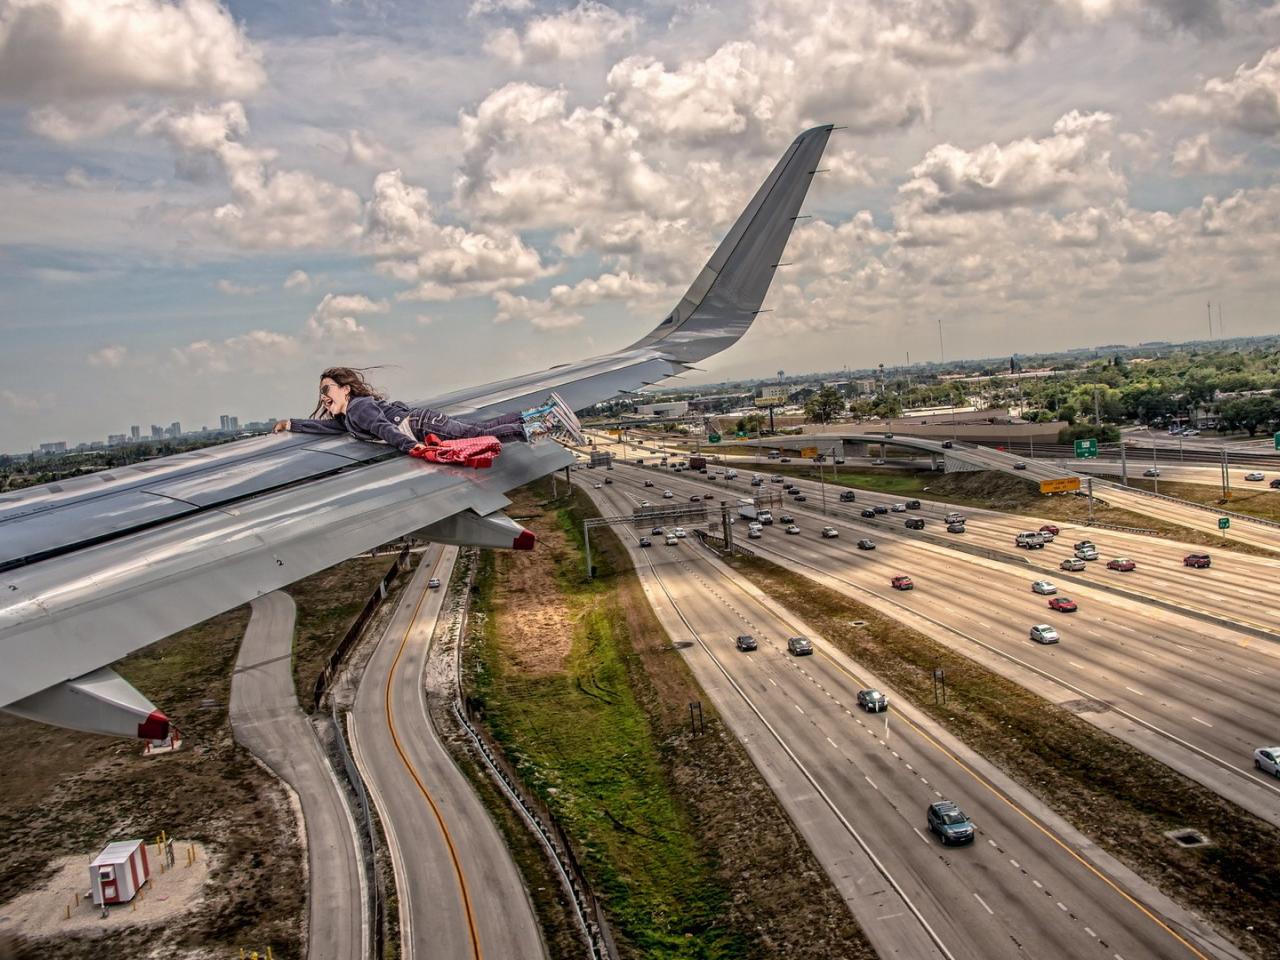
x: 268, y: 721
x: 857, y: 786
x: 460, y: 894
x: 1197, y: 696
x: 1206, y: 474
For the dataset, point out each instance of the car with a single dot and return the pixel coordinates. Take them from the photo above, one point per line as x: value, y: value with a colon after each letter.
x: 646, y: 542
x: 1050, y: 529
x: 671, y: 540
x: 708, y: 496
x: 746, y: 643
x: 776, y: 480
x: 1151, y: 472
x: 902, y: 582
x: 947, y: 820
x: 869, y: 513
x: 953, y: 517
x: 757, y: 482
x: 913, y: 504
x: 955, y: 528
x: 667, y: 494
x: 880, y: 508
x: 786, y: 459
x: 793, y: 529
x: 947, y: 444
x: 847, y: 496
x: 1254, y: 475
x: 1088, y: 553
x: 914, y: 523
x: 679, y: 532
x: 1198, y: 560
x: 608, y: 479
x: 1123, y: 564
x: 1043, y: 587
x: 1084, y: 545
x: 1043, y: 633
x: 657, y: 531
x: 799, y: 647
x: 696, y: 498
x: 830, y: 533
x: 786, y: 518
x: 645, y: 503
x: 866, y: 544
x: 888, y: 436
x: 1019, y: 465
x: 754, y: 533
x: 800, y: 498
x: 1063, y: 605
x: 597, y: 486
x: 1267, y: 759
x: 433, y: 583
x: 648, y: 483
x: 878, y: 462
x: 872, y: 701
x: 1073, y: 564
x: 899, y: 508
x: 1275, y: 484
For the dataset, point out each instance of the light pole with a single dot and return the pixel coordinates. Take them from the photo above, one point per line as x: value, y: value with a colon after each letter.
x: 1155, y: 468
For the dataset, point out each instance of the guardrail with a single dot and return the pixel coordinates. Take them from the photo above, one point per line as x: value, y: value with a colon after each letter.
x: 540, y: 820
x: 1218, y: 511
x: 376, y: 898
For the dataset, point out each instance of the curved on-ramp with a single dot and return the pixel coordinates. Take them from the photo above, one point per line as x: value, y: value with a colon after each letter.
x: 268, y: 721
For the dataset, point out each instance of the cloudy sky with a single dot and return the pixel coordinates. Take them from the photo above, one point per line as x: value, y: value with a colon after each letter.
x: 202, y: 204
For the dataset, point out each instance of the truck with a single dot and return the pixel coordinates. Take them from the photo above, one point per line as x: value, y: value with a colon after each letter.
x: 747, y: 509
x: 697, y: 463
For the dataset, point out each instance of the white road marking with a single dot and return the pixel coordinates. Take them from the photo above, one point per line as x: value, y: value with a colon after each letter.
x: 870, y: 781
x: 797, y: 706
x: 921, y: 835
x: 1205, y: 722
x: 984, y: 905
x: 1015, y: 863
x: 1138, y: 692
x: 1076, y: 665
x: 1062, y: 906
x: 1039, y: 885
x: 988, y: 626
x: 773, y: 681
x: 832, y: 742
x: 1090, y: 933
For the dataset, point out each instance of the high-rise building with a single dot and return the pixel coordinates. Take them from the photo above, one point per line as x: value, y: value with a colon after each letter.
x: 228, y: 424
x: 59, y: 446
x: 115, y: 439
x: 135, y: 433
x: 175, y: 429
x: 157, y: 432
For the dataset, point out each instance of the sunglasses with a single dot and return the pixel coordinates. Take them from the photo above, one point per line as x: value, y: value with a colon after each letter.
x: 324, y: 389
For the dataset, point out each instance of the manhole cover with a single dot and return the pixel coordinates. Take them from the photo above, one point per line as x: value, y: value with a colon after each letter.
x: 1188, y: 838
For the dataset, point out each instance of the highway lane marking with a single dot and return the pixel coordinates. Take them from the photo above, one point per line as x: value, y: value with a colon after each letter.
x: 1090, y: 933
x: 870, y: 781
x: 1062, y: 906
x: 984, y: 905
x: 1076, y: 665
x: 920, y: 835
x: 797, y: 706
x: 1205, y: 722
x: 1039, y: 885
x: 1138, y: 692
x: 832, y: 742
x: 476, y: 952
x: 1015, y: 863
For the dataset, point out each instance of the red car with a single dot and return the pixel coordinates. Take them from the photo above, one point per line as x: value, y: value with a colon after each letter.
x: 1199, y: 560
x: 902, y: 583
x: 1062, y: 605
x: 1121, y: 563
x: 1050, y: 528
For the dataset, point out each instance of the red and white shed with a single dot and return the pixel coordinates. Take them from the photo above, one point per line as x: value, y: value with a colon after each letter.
x: 117, y: 873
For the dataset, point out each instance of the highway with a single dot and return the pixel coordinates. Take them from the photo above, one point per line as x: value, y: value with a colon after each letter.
x: 857, y: 785
x: 1202, y: 473
x: 460, y: 894
x: 268, y: 721
x: 1197, y: 696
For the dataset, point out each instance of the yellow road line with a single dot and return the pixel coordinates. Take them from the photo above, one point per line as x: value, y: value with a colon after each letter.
x: 476, y: 952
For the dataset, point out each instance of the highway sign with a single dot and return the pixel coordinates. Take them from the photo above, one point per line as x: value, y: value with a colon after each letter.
x: 1089, y: 448
x: 713, y: 438
x: 1062, y: 485
x: 1224, y: 523
x: 1277, y: 439
x: 808, y: 452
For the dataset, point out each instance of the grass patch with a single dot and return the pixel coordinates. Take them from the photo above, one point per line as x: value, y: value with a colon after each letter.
x: 596, y: 722
x: 1255, y: 499
x: 328, y: 603
x: 1112, y: 792
x: 70, y: 793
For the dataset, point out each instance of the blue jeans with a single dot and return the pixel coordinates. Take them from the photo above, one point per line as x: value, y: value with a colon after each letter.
x: 507, y: 428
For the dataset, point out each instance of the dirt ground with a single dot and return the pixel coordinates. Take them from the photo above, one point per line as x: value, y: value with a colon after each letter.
x: 538, y: 640
x: 168, y: 896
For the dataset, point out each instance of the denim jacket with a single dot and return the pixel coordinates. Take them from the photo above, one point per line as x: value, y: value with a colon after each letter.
x: 366, y: 418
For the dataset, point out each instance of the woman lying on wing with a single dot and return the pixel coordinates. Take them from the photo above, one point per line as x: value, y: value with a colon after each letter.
x: 348, y: 404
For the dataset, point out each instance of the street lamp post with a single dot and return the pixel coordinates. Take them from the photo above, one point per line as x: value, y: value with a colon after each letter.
x: 1155, y: 468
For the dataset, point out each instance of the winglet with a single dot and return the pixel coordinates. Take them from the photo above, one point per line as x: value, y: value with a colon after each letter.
x: 726, y: 296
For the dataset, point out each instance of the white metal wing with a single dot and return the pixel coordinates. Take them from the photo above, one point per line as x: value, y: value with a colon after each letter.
x: 95, y: 568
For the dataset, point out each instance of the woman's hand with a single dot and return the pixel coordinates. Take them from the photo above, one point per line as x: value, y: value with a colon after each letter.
x: 281, y: 426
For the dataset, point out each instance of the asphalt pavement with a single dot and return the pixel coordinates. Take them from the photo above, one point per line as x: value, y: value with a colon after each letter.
x: 268, y: 721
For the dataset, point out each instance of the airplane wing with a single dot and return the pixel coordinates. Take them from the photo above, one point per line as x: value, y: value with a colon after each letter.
x: 95, y: 568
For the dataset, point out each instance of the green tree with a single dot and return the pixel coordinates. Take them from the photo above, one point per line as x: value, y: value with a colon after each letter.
x: 824, y: 406
x: 1250, y: 413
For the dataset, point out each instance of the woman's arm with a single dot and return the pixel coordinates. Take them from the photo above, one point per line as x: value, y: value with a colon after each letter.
x: 312, y: 426
x: 365, y: 414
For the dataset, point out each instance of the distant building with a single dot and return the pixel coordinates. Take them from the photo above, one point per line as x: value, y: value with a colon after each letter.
x: 228, y: 424
x: 157, y: 432
x: 175, y: 430
x: 135, y: 433
x: 772, y: 395
x: 115, y: 439
x: 59, y: 446
x: 671, y: 408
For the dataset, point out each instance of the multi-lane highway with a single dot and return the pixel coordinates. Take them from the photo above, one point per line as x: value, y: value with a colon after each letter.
x: 460, y: 894
x: 1197, y: 695
x: 858, y: 785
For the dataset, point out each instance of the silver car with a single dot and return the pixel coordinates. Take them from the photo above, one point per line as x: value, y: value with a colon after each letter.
x: 1267, y: 759
x: 1043, y: 587
x: 1043, y: 633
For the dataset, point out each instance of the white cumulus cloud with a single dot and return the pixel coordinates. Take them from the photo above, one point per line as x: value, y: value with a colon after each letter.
x: 583, y: 31
x: 112, y: 355
x: 1248, y: 100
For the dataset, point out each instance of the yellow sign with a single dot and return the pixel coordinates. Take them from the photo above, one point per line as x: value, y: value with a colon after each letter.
x: 1064, y: 485
x: 809, y: 452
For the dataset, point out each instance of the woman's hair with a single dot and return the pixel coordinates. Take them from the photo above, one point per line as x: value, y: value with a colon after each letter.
x: 352, y: 377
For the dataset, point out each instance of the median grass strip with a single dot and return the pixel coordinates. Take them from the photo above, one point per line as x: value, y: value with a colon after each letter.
x: 681, y: 838
x: 1255, y: 499
x: 1112, y: 792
